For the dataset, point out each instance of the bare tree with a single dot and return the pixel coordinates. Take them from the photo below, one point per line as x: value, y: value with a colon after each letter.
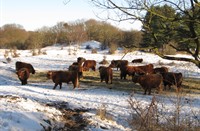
x: 135, y: 10
x: 76, y: 32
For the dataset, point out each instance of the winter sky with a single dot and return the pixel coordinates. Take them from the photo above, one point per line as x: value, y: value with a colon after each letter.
x: 34, y: 14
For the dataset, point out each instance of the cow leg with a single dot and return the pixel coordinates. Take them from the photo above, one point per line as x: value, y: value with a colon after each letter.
x: 145, y: 91
x: 159, y: 89
x: 101, y: 78
x: 25, y: 82
x: 165, y: 86
x: 60, y: 85
x: 22, y: 82
x: 124, y: 76
x: 149, y: 89
x: 121, y: 76
x: 74, y: 84
x: 179, y: 86
x: 93, y: 68
x: 55, y: 86
x: 106, y: 81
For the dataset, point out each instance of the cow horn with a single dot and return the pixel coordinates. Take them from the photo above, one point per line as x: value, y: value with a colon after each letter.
x: 136, y: 74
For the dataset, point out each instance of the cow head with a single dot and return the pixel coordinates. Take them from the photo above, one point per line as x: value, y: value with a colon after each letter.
x: 49, y: 74
x: 135, y: 77
x: 100, y: 68
x: 33, y: 71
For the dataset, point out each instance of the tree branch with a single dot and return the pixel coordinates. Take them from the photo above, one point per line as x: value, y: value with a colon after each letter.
x: 178, y: 49
x: 196, y: 62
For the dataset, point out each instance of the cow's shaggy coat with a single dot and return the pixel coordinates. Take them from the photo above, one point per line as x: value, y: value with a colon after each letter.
x: 149, y: 81
x: 19, y: 65
x: 58, y: 77
x: 23, y: 75
x: 106, y: 74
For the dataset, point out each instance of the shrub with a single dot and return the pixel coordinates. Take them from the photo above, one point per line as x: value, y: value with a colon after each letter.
x: 156, y: 116
x: 94, y: 51
x: 6, y: 54
x: 104, y: 61
x: 14, y: 52
x: 69, y: 50
x: 103, y: 113
x: 34, y: 52
x: 113, y: 48
x: 143, y: 118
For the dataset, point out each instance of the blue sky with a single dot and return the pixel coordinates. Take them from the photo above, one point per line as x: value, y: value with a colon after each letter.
x: 34, y: 14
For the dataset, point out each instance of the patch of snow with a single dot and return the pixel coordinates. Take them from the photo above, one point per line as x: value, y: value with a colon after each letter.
x: 27, y: 112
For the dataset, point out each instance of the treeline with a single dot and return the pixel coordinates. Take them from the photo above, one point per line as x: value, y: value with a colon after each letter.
x: 15, y: 36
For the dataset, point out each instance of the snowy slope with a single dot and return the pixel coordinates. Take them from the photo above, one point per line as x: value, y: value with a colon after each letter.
x: 28, y: 111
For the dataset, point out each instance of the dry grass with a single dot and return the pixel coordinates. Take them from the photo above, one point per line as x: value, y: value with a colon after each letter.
x: 92, y: 79
x: 103, y: 113
x: 191, y: 85
x: 145, y: 118
x: 151, y: 118
x: 38, y: 77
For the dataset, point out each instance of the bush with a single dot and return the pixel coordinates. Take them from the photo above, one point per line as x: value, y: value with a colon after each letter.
x: 6, y: 54
x: 34, y: 52
x: 156, y: 116
x: 103, y: 113
x: 104, y: 61
x: 14, y: 52
x: 94, y: 51
x: 143, y: 118
x: 113, y: 48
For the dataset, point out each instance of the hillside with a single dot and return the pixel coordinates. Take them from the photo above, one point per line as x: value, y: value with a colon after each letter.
x: 36, y: 106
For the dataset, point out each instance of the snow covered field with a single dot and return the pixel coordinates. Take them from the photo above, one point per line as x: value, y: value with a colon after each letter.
x: 27, y: 110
